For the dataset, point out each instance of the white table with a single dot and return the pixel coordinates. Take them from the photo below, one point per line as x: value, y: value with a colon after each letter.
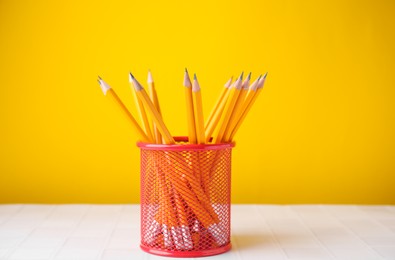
x: 258, y: 232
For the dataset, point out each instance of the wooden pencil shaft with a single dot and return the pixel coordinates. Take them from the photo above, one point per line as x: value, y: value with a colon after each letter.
x: 155, y: 116
x: 198, y: 112
x: 244, y: 115
x: 143, y: 96
x: 235, y: 114
x: 239, y: 107
x: 143, y: 117
x: 234, y: 93
x: 252, y: 95
x: 154, y: 98
x: 217, y: 104
x: 217, y: 116
x: 192, y: 138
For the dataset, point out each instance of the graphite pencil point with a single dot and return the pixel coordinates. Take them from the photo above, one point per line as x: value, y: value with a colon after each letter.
x: 187, y: 81
x: 264, y: 76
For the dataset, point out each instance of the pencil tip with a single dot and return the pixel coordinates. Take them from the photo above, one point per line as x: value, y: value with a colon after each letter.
x: 195, y: 85
x: 103, y: 85
x: 131, y: 78
x: 249, y: 76
x: 229, y: 82
x: 262, y: 81
x: 150, y: 78
x: 187, y: 81
x: 264, y: 76
x: 241, y: 76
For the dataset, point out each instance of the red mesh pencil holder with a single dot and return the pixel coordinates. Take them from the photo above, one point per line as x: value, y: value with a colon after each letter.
x: 185, y: 198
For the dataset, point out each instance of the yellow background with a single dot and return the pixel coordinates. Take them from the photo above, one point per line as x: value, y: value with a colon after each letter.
x: 322, y: 130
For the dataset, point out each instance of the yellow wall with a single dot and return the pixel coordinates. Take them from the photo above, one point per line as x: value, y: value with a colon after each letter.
x: 321, y: 132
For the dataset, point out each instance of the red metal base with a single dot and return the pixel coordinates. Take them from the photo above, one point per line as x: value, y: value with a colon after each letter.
x: 209, y: 252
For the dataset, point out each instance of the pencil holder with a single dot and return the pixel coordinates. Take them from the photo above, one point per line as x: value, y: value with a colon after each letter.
x: 185, y: 198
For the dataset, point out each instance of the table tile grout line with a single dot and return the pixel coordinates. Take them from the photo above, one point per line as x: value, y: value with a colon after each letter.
x: 271, y: 231
x: 7, y: 256
x: 86, y: 208
x: 298, y: 216
x: 355, y: 234
x: 111, y: 232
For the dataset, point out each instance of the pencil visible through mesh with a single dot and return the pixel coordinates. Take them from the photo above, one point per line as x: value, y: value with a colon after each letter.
x: 185, y: 199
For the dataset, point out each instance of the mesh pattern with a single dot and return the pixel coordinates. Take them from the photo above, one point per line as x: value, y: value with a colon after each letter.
x: 185, y: 200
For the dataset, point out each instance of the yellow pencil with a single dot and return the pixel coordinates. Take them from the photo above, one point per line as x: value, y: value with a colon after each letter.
x: 199, y: 125
x: 154, y: 97
x: 230, y: 103
x: 107, y: 89
x: 189, y: 104
x: 143, y: 116
x: 218, y: 103
x: 218, y: 113
x: 143, y: 96
x: 253, y: 97
x: 198, y: 110
x: 237, y: 111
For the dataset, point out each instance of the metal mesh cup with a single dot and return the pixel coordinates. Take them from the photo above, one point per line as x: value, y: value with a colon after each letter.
x: 185, y: 198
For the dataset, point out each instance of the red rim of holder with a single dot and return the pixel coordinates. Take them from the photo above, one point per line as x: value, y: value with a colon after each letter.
x: 184, y: 147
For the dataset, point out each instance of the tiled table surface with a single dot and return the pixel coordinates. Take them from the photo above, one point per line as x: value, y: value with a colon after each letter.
x: 258, y: 232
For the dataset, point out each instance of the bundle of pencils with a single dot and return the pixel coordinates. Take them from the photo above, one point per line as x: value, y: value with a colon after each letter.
x: 188, y: 194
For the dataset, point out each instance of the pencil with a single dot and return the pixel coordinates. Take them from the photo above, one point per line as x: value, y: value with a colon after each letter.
x: 237, y: 108
x: 183, y: 220
x: 189, y: 105
x: 183, y: 186
x: 199, y: 126
x: 152, y: 110
x: 108, y: 91
x: 210, y: 127
x: 143, y: 116
x: 198, y: 111
x: 228, y: 109
x: 218, y: 103
x: 154, y: 98
x: 253, y: 96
